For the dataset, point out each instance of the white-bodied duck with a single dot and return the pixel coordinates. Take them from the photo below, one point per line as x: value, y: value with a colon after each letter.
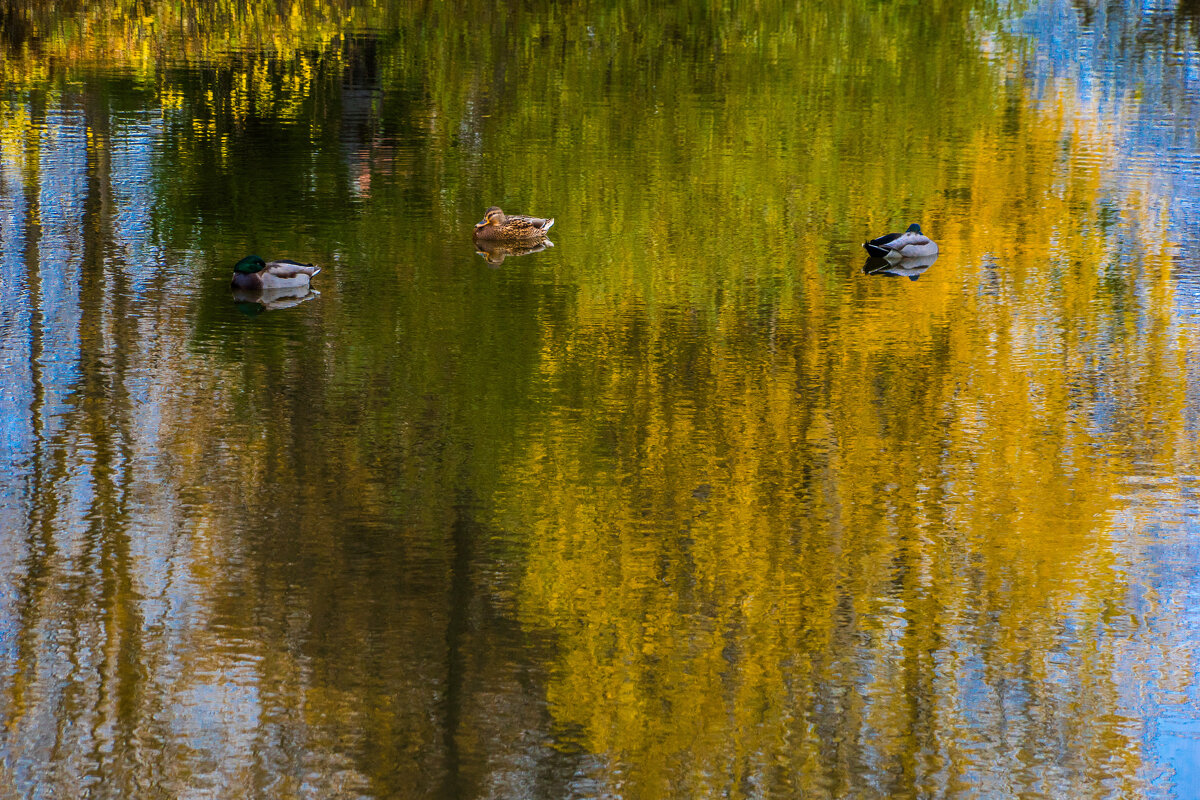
x: 254, y: 273
x: 910, y: 244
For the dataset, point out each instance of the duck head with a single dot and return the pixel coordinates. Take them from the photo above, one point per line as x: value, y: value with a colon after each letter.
x: 914, y: 228
x: 249, y: 265
x: 493, y: 216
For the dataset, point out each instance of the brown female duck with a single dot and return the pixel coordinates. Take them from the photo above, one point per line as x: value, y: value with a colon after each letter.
x: 500, y: 227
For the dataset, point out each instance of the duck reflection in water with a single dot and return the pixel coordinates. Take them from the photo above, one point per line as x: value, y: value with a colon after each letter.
x: 253, y: 302
x: 911, y: 268
x: 494, y: 253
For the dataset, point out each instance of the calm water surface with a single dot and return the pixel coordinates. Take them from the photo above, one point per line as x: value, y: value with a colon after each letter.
x: 694, y: 503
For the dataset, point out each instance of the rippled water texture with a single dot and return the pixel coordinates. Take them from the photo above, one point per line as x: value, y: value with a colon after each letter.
x: 696, y: 502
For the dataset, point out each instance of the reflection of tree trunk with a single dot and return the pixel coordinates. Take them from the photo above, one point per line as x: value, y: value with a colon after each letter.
x: 495, y: 692
x: 15, y: 27
x: 461, y: 533
x: 104, y: 304
x: 40, y: 534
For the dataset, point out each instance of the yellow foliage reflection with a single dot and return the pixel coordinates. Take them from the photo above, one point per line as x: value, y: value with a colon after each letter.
x: 779, y: 552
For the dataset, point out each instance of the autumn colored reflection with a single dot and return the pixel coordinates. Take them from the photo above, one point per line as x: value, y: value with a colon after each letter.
x: 686, y: 505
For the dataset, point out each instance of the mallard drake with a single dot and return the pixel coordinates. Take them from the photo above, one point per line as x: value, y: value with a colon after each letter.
x: 501, y: 227
x: 910, y: 244
x: 254, y: 273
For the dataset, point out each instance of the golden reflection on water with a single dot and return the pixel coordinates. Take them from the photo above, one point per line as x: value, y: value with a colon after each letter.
x: 685, y: 505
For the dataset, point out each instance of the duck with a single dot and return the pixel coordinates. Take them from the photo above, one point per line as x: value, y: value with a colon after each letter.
x: 501, y: 227
x: 910, y: 244
x: 252, y: 272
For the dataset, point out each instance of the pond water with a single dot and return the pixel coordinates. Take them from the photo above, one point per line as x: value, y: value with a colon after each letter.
x: 696, y: 502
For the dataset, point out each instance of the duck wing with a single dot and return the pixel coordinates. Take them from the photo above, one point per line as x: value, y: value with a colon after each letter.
x: 534, y: 223
x: 912, y: 246
x: 902, y: 240
x: 911, y: 240
x: 286, y: 268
